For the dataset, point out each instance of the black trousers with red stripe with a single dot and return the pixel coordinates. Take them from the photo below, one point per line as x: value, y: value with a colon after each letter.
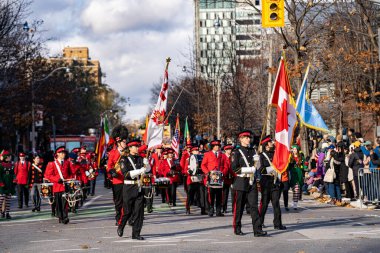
x: 117, y: 190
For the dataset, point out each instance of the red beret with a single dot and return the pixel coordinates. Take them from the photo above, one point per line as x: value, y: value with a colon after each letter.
x: 215, y: 143
x: 165, y: 152
x: 228, y: 146
x: 21, y: 154
x: 60, y: 149
x: 75, y: 150
x: 135, y: 143
x: 247, y: 133
x: 194, y: 149
x: 5, y: 152
x: 266, y: 139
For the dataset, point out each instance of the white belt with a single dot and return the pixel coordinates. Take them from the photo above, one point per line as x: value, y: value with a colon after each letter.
x: 130, y: 182
x: 242, y: 175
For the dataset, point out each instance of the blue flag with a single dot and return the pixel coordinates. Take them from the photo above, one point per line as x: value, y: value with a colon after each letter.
x: 306, y: 111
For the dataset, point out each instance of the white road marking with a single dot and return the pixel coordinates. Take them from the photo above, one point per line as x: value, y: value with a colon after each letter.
x: 229, y: 242
x: 91, y: 201
x: 198, y: 240
x: 51, y: 240
x: 298, y: 240
x: 65, y: 250
x: 153, y: 245
x: 361, y: 224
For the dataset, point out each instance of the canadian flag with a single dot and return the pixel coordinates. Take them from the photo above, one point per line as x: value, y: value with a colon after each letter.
x: 286, y: 118
x: 156, y: 123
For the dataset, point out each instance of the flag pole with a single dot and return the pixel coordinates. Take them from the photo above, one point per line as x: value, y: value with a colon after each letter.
x: 264, y: 125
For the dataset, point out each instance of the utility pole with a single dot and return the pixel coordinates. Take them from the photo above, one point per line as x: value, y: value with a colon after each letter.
x: 270, y: 63
x: 218, y: 107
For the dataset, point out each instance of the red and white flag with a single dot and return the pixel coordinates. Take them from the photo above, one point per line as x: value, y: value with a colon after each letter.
x: 286, y: 118
x: 156, y: 123
x: 175, y: 139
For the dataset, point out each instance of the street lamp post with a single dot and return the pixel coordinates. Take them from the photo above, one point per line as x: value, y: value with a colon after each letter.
x: 33, y: 105
x: 217, y: 25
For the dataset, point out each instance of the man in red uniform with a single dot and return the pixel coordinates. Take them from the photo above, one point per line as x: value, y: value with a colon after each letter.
x: 155, y: 163
x: 120, y: 135
x: 21, y: 170
x: 184, y: 163
x: 228, y: 177
x: 171, y: 170
x: 214, y: 161
x: 84, y: 163
x: 58, y: 172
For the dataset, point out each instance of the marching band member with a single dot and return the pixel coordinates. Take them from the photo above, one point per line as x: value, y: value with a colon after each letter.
x: 184, y: 163
x: 7, y: 180
x: 21, y: 169
x: 245, y: 183
x: 161, y: 173
x: 194, y: 178
x: 36, y: 178
x: 148, y: 192
x: 270, y: 184
x: 120, y: 135
x: 155, y: 163
x: 57, y: 172
x: 75, y: 167
x: 227, y: 177
x: 92, y: 173
x: 132, y: 168
x: 83, y: 170
x: 169, y: 169
x: 213, y: 160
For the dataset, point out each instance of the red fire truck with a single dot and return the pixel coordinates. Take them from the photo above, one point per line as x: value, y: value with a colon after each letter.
x: 73, y: 141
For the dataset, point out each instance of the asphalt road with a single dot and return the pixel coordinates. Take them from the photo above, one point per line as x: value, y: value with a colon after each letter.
x: 315, y: 227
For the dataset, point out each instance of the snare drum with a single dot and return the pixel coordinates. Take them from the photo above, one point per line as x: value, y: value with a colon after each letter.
x: 146, y: 180
x: 72, y: 186
x: 162, y: 182
x: 215, y: 179
x: 46, y: 190
x: 196, y: 178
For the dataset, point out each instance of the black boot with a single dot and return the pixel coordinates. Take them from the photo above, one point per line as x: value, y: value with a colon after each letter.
x: 137, y: 237
x: 8, y: 216
x: 120, y: 231
x: 259, y: 233
x: 2, y: 214
x: 281, y: 227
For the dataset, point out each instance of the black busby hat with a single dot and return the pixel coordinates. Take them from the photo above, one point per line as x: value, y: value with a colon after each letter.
x: 120, y: 133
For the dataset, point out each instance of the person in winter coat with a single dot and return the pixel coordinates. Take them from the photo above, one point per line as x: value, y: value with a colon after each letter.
x: 356, y: 162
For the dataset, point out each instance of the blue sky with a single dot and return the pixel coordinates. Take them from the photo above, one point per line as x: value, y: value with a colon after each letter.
x: 130, y: 38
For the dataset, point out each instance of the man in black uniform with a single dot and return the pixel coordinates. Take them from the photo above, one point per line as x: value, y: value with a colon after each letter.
x: 132, y: 168
x: 270, y: 184
x: 245, y: 183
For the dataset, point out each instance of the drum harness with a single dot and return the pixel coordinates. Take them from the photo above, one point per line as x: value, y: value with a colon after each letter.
x: 70, y: 198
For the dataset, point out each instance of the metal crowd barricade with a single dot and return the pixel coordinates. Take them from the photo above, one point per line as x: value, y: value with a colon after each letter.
x: 369, y: 185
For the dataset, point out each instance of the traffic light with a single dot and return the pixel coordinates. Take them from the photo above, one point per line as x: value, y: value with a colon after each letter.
x: 273, y: 13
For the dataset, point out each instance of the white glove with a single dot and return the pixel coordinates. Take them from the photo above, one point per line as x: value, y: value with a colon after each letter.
x: 87, y: 173
x: 269, y: 169
x: 135, y: 173
x: 147, y: 168
x: 91, y: 170
x: 248, y: 170
x: 256, y: 158
x: 145, y: 161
